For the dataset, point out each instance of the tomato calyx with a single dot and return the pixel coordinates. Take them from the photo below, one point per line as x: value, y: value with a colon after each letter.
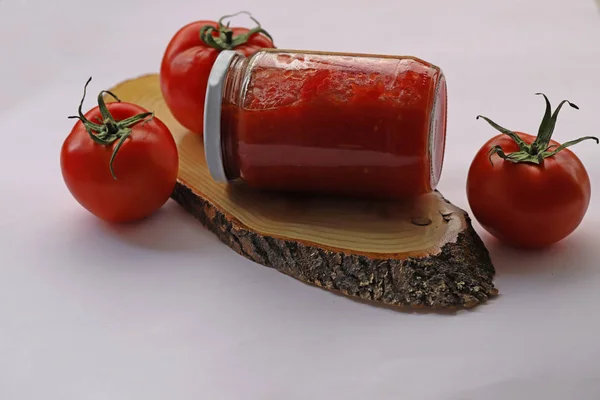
x: 225, y: 40
x: 540, y: 149
x: 108, y: 130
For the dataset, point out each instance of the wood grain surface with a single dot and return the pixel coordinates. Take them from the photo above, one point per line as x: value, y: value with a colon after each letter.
x: 420, y: 253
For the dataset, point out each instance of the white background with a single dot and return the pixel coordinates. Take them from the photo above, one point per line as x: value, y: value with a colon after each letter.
x: 162, y: 310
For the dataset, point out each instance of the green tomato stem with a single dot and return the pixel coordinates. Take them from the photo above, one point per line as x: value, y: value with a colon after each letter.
x: 539, y: 150
x: 225, y: 39
x: 109, y: 130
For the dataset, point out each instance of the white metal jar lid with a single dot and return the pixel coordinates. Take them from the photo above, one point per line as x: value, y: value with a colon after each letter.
x: 213, y: 151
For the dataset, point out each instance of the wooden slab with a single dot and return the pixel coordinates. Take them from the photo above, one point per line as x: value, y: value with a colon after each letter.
x: 422, y: 253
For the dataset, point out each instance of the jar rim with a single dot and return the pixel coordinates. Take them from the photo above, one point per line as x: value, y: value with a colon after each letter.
x: 437, y: 132
x: 213, y: 151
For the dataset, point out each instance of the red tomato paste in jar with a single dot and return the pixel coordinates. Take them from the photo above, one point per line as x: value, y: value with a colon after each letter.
x: 346, y: 124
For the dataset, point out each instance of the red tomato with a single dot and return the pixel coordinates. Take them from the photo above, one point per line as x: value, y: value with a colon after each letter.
x: 528, y: 191
x: 188, y: 59
x: 119, y: 161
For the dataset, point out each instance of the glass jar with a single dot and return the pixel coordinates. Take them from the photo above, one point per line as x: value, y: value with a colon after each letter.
x: 346, y: 124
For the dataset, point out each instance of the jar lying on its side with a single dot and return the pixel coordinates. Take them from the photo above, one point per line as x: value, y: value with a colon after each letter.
x: 347, y: 124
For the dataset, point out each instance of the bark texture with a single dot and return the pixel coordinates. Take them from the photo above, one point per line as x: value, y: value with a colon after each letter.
x: 460, y: 275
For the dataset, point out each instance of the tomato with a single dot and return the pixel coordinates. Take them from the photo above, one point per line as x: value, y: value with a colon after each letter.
x: 119, y: 161
x: 188, y: 59
x: 528, y: 191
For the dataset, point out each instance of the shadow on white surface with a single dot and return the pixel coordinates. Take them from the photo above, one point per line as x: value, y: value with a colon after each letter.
x: 169, y: 239
x: 170, y: 229
x: 563, y: 258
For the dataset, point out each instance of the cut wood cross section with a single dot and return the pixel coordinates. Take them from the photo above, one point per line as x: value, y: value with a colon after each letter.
x: 422, y: 253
